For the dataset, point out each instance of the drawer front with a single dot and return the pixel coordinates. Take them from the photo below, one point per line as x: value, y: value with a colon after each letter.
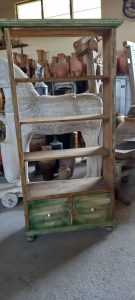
x: 89, y: 209
x: 48, y: 213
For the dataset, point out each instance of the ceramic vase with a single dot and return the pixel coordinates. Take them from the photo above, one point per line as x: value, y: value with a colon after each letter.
x: 64, y: 173
x: 122, y: 64
x: 75, y: 66
x: 52, y: 65
x: 23, y: 60
x: 41, y: 55
x: 61, y: 68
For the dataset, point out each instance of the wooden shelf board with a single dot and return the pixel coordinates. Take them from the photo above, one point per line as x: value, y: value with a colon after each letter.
x: 130, y: 119
x: 63, y: 188
x: 66, y: 153
x: 63, y: 32
x: 63, y: 79
x: 61, y: 23
x: 59, y: 119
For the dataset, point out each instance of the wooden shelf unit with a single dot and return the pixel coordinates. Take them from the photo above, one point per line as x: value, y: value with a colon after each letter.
x: 79, y: 203
x: 66, y: 153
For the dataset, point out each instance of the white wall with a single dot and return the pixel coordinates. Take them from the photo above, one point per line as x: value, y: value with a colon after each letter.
x: 126, y: 32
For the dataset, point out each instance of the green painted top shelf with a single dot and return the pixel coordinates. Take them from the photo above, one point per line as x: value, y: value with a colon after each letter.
x: 61, y: 23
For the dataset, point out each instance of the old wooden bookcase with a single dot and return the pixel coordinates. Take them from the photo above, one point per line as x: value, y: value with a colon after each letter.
x: 78, y: 203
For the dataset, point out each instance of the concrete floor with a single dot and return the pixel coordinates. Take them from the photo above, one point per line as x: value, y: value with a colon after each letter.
x: 85, y: 265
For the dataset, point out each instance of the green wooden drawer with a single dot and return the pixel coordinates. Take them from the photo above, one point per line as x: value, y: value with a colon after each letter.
x: 48, y: 213
x: 89, y: 209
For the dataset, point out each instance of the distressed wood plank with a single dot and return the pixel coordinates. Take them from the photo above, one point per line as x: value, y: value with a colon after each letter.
x: 66, y: 153
x: 64, y: 119
x: 55, y: 79
x: 62, y: 188
x: 61, y: 23
x: 48, y: 32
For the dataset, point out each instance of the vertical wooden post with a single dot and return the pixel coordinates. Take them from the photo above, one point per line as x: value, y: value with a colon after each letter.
x: 91, y: 71
x: 131, y: 66
x: 109, y: 68
x: 17, y: 122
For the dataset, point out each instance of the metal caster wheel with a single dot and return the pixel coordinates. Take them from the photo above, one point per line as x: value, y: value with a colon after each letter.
x: 10, y: 200
x: 109, y: 228
x: 30, y: 238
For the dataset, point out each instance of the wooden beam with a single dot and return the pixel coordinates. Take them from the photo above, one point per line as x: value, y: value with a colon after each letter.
x: 66, y: 153
x: 62, y: 188
x: 60, y: 119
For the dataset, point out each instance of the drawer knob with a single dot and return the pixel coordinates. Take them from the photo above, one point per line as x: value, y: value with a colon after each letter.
x: 49, y: 215
x: 92, y: 209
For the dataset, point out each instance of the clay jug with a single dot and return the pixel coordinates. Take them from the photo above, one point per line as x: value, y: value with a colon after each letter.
x: 84, y: 66
x: 122, y: 64
x: 61, y: 68
x: 23, y: 59
x: 41, y: 56
x: 46, y: 69
x: 64, y: 173
x: 70, y: 162
x: 61, y: 57
x: 52, y: 65
x: 75, y: 66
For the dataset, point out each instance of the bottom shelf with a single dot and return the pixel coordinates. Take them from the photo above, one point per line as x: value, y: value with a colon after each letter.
x: 61, y: 188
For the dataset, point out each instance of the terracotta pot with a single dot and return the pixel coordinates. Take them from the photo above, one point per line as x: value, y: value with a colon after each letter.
x: 122, y: 64
x: 23, y: 60
x: 61, y: 69
x: 84, y: 66
x: 52, y: 65
x: 75, y: 66
x: 61, y: 57
x: 47, y: 69
x: 41, y: 54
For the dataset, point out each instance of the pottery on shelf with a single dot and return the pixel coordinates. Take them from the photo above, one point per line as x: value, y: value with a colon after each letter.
x: 70, y: 162
x: 75, y: 66
x: 41, y: 55
x: 61, y: 69
x: 84, y: 66
x: 122, y: 63
x: 47, y: 69
x: 52, y: 65
x: 61, y: 57
x: 64, y: 173
x: 23, y: 60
